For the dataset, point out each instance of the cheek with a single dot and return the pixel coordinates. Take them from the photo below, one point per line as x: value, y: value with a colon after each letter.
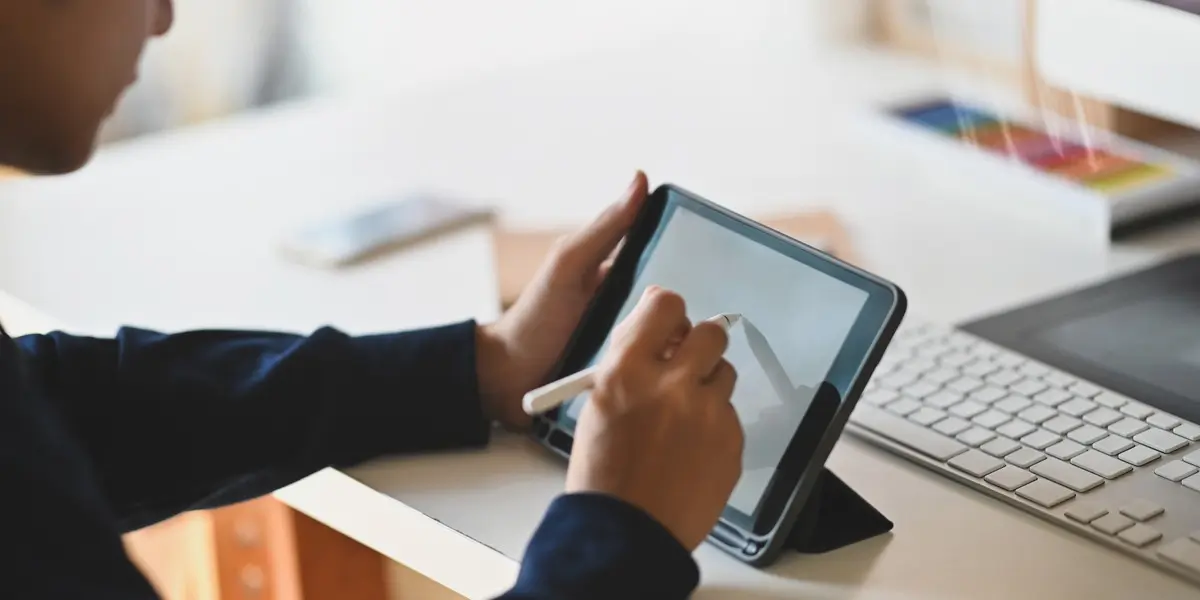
x: 61, y: 93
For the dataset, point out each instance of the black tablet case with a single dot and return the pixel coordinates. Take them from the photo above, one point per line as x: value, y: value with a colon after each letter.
x: 834, y: 517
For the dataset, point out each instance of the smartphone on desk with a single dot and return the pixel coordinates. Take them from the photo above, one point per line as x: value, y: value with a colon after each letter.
x: 387, y: 227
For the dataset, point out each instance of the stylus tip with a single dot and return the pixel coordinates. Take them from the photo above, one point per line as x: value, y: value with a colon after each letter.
x: 730, y: 319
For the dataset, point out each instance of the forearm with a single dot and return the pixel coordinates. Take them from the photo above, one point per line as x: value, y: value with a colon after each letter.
x: 201, y: 419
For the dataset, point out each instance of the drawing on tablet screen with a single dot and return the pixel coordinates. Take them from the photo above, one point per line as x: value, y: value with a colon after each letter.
x: 770, y: 407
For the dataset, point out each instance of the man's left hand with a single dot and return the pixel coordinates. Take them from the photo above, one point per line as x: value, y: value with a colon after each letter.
x: 517, y: 353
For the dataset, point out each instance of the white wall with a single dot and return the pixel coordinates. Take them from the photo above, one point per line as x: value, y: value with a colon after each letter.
x: 368, y: 44
x: 210, y: 63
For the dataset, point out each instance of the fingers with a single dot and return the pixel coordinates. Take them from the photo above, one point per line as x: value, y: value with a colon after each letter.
x: 595, y: 243
x: 658, y: 320
x: 702, y: 349
x: 722, y: 380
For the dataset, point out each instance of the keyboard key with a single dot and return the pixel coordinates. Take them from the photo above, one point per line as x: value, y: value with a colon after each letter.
x: 991, y: 419
x: 1111, y: 400
x: 942, y: 375
x: 933, y: 349
x: 920, y: 365
x: 1037, y: 414
x: 1088, y: 435
x: 914, y: 436
x: 1032, y: 369
x: 1066, y: 450
x: 1188, y: 431
x: 1084, y: 389
x: 944, y: 399
x: 1040, y: 440
x: 1160, y: 440
x: 880, y: 396
x: 968, y: 409
x: 1025, y: 458
x: 920, y: 389
x: 1137, y: 411
x: 1102, y: 417
x: 1027, y: 387
x: 1176, y: 470
x: 981, y: 368
x: 1077, y: 407
x: 1062, y: 425
x: 1084, y: 512
x: 1193, y: 458
x: 1063, y: 473
x: 1112, y: 524
x: 1140, y: 536
x: 976, y: 437
x: 1016, y: 429
x: 984, y: 350
x: 1128, y: 427
x: 1113, y: 445
x: 1003, y: 378
x: 1142, y: 510
x: 988, y: 394
x: 1058, y: 378
x: 1009, y: 478
x: 1182, y: 552
x: 976, y: 463
x: 1046, y: 493
x: 897, y: 379
x: 1101, y: 464
x: 1008, y: 359
x: 1051, y: 397
x: 964, y: 385
x: 1192, y: 483
x: 956, y: 359
x: 1163, y: 421
x: 1000, y: 447
x: 1139, y: 456
x: 951, y: 426
x: 961, y: 340
x: 904, y: 406
x: 1013, y: 404
x: 927, y: 416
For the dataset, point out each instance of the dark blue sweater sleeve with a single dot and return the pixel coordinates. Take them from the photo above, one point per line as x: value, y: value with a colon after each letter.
x: 594, y: 547
x: 102, y: 436
x: 207, y: 418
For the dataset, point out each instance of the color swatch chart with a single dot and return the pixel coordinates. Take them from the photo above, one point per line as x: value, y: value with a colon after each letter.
x: 1103, y: 170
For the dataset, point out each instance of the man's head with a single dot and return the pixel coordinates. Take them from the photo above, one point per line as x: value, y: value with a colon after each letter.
x: 63, y: 66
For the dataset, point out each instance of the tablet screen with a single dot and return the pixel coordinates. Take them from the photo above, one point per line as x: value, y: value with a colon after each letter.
x: 796, y: 320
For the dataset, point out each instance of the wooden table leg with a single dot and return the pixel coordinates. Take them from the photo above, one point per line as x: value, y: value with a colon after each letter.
x: 256, y: 550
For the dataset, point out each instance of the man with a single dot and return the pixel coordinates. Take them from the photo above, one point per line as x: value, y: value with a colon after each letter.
x: 102, y: 436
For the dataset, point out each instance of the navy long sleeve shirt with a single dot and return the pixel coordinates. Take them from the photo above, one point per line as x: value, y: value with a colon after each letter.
x: 99, y: 437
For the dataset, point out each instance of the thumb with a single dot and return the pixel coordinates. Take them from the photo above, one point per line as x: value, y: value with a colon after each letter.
x: 589, y: 247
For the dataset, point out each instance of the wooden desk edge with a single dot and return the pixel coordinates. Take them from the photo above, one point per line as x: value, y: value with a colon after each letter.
x: 402, y: 534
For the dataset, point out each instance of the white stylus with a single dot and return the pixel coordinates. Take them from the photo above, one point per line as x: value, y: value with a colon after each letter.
x: 553, y: 394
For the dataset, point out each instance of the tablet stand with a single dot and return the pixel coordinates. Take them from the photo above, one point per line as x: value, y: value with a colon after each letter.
x: 834, y: 517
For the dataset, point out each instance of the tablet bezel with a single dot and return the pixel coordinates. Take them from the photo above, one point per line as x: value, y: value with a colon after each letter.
x: 756, y: 538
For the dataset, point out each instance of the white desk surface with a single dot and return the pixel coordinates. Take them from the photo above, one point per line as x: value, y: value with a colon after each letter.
x: 176, y: 232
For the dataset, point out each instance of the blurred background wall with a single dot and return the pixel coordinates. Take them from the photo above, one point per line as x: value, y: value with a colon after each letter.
x: 226, y: 56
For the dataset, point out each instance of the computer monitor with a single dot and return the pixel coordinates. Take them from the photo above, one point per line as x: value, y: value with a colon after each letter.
x: 1143, y: 55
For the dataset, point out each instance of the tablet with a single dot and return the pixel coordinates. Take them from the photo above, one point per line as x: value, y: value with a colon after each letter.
x: 813, y: 329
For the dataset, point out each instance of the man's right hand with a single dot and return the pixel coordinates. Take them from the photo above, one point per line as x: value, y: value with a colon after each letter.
x: 659, y: 430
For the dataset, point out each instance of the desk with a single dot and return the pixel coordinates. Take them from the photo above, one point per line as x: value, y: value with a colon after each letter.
x: 553, y: 144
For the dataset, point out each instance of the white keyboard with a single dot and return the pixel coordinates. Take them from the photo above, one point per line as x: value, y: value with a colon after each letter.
x: 1101, y: 464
